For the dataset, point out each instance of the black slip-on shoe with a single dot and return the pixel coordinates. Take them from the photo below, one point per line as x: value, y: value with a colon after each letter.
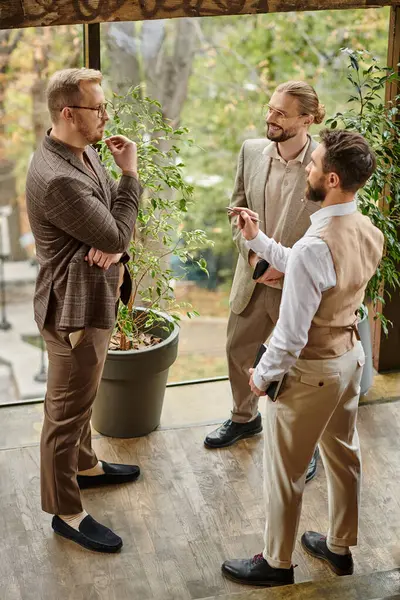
x: 256, y: 571
x: 312, y: 467
x: 315, y: 544
x: 91, y: 535
x: 230, y: 432
x: 112, y: 474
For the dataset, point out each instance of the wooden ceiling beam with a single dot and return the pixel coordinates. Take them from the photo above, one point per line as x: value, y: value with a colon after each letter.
x: 36, y: 13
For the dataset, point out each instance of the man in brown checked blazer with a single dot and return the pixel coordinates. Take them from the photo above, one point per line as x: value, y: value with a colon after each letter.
x: 82, y: 222
x: 270, y: 179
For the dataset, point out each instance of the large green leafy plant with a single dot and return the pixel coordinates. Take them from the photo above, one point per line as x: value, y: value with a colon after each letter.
x: 159, y: 232
x: 378, y: 121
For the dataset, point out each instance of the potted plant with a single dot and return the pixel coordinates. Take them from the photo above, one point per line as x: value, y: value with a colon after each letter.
x: 145, y: 341
x: 378, y: 122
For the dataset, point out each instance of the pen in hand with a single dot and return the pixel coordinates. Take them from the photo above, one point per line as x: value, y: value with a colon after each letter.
x: 236, y: 211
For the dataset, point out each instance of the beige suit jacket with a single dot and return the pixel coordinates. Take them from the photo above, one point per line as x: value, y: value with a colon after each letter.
x: 249, y: 190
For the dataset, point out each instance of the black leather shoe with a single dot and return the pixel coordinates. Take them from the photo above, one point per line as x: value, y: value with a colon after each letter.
x: 91, y: 535
x: 315, y: 544
x: 256, y: 571
x: 112, y: 474
x: 231, y: 432
x: 312, y: 467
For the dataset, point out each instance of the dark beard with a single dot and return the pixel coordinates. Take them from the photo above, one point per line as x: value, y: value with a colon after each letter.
x: 317, y: 194
x: 282, y: 136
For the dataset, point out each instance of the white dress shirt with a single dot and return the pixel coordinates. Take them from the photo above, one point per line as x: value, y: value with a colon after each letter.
x: 309, y: 271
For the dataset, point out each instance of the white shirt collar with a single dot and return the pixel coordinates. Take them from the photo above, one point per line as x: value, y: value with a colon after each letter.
x: 272, y: 151
x: 335, y: 210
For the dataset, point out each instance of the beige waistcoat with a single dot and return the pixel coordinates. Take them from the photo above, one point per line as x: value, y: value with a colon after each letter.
x: 356, y: 247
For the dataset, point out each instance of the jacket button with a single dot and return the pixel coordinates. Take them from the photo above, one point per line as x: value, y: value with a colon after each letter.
x: 321, y: 383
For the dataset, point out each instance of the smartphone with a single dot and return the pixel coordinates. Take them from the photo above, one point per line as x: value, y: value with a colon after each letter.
x: 275, y: 386
x: 260, y: 268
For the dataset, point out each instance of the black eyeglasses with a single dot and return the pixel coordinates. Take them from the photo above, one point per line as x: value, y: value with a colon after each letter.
x: 101, y: 109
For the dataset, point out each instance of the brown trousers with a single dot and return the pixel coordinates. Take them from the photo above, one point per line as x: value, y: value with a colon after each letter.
x: 318, y: 404
x: 76, y: 361
x: 246, y: 332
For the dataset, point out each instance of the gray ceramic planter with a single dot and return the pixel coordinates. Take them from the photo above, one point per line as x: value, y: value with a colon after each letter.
x: 131, y: 393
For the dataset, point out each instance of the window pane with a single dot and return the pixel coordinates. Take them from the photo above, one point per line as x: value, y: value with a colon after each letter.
x: 215, y: 76
x: 27, y: 58
x: 212, y: 75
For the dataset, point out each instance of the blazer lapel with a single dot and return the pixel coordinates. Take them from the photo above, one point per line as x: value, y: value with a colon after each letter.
x: 62, y: 150
x: 257, y: 187
x: 74, y: 160
x: 99, y: 178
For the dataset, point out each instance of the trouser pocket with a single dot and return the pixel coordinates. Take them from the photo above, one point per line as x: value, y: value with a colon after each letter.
x: 75, y: 337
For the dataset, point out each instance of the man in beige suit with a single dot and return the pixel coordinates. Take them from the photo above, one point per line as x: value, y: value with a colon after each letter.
x: 316, y: 353
x: 270, y: 179
x: 82, y: 222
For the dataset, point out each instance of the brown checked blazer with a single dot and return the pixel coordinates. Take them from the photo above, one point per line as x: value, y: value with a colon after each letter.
x: 249, y: 190
x: 71, y: 209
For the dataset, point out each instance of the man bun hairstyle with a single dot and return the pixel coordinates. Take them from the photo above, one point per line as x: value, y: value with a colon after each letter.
x: 64, y: 89
x: 320, y: 114
x: 306, y: 97
x: 349, y: 155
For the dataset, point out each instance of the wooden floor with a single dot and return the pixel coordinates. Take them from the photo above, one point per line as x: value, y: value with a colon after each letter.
x: 191, y: 509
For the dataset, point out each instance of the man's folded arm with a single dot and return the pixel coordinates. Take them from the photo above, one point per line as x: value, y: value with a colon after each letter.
x: 72, y: 207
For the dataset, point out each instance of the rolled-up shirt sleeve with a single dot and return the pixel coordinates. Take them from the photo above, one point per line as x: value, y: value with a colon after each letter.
x: 309, y: 272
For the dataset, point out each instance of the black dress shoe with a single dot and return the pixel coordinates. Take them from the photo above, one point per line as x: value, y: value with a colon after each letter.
x: 312, y: 467
x: 91, y: 535
x: 315, y: 544
x: 112, y: 474
x: 231, y: 432
x: 256, y: 571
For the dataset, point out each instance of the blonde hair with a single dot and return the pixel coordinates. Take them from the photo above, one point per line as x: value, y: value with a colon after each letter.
x: 307, y: 98
x: 64, y: 88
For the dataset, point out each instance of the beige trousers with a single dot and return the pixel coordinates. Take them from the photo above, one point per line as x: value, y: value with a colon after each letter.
x: 76, y: 360
x: 317, y: 404
x: 246, y: 332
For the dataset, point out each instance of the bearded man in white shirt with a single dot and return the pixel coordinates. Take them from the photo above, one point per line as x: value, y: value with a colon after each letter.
x: 271, y: 180
x: 316, y: 347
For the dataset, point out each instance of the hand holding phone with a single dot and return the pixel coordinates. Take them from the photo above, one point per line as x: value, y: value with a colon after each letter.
x: 274, y: 387
x: 260, y: 268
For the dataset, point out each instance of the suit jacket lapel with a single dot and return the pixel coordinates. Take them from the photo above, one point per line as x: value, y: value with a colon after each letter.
x: 62, y: 150
x: 99, y: 177
x: 74, y: 160
x: 257, y: 187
